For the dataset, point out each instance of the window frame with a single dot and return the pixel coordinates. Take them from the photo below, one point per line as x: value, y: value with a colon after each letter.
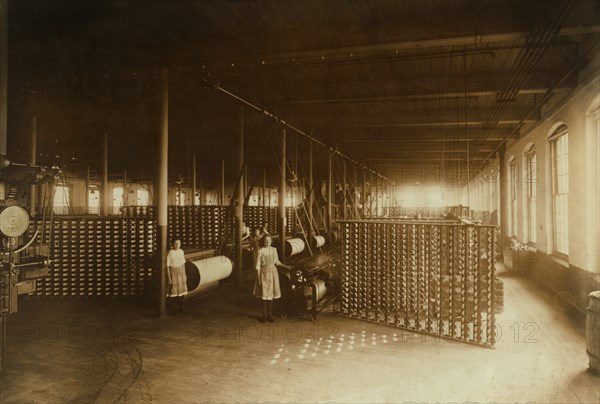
x: 116, y: 206
x: 138, y: 199
x: 513, y: 179
x: 560, y: 200
x: 178, y: 200
x: 531, y: 179
x: 94, y: 190
x: 66, y: 208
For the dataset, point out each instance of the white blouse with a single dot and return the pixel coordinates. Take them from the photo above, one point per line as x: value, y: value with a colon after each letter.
x: 267, y: 256
x: 175, y: 258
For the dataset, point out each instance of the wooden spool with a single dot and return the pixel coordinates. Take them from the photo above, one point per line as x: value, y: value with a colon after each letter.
x: 592, y: 331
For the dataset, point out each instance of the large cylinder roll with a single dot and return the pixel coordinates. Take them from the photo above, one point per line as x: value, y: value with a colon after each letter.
x: 294, y: 246
x: 205, y: 274
x: 318, y: 241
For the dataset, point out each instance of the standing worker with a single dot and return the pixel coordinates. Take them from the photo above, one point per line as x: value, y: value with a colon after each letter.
x: 255, y: 240
x: 267, y: 286
x: 177, y: 278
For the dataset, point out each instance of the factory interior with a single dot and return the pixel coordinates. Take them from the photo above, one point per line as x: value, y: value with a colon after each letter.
x: 428, y: 173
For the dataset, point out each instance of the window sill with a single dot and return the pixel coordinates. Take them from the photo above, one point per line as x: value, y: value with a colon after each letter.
x: 559, y: 260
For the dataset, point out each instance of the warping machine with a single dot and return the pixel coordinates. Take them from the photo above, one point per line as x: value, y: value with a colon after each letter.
x: 310, y: 285
x: 18, y: 272
x: 19, y: 267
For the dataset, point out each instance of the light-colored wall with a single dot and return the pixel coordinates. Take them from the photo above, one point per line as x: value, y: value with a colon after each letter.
x: 579, y: 111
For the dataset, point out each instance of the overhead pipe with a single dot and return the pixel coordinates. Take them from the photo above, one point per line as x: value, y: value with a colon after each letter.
x: 216, y: 86
x: 541, y: 102
x: 532, y: 51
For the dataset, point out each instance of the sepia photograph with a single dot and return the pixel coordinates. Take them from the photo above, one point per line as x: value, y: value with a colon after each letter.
x: 300, y: 201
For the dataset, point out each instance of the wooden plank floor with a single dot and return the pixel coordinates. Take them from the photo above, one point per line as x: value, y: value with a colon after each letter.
x: 106, y: 351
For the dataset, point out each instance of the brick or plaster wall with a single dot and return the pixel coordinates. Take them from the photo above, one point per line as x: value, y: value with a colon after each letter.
x: 580, y: 272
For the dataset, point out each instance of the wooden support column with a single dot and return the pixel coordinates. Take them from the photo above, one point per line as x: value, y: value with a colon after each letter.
x: 222, y: 194
x: 380, y: 197
x: 201, y: 188
x: 162, y: 188
x: 264, y: 191
x: 282, y: 192
x: 364, y: 193
x: 105, y: 194
x: 373, y: 190
x: 503, y: 177
x: 194, y: 190
x: 179, y: 198
x: 354, y: 186
x: 125, y: 192
x: 33, y: 162
x: 3, y: 77
x: 245, y: 188
x: 311, y: 190
x: 498, y: 189
x: 329, y: 193
x: 383, y: 197
x: 344, y: 191
x: 87, y: 190
x: 3, y: 136
x: 3, y: 110
x: 239, y: 201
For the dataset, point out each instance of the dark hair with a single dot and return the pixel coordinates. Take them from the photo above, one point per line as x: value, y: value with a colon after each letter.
x: 263, y: 240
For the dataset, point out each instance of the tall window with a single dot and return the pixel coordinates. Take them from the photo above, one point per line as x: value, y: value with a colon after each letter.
x: 512, y: 195
x: 93, y: 201
x: 560, y: 189
x: 531, y: 186
x: 61, y: 200
x: 180, y: 198
x: 117, y: 199
x: 142, y: 197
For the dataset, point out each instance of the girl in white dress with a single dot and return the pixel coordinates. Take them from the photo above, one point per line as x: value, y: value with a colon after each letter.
x: 266, y: 286
x: 176, y: 276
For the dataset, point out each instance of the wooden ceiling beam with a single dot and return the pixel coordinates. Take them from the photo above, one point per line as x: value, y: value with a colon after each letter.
x: 398, y: 163
x: 391, y: 155
x: 447, y: 87
x: 415, y: 118
x: 380, y: 148
x: 457, y: 28
x: 431, y: 134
